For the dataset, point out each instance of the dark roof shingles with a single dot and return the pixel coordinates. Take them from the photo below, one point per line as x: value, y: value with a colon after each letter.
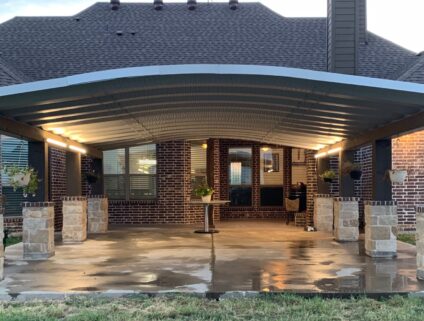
x: 51, y: 47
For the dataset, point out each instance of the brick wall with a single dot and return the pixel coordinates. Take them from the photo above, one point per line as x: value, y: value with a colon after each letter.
x: 311, y: 184
x: 173, y: 192
x: 87, y: 166
x: 57, y: 183
x: 408, y: 154
x: 334, y: 188
x: 363, y: 187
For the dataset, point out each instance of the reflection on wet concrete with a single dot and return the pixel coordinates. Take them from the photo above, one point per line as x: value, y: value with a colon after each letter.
x: 244, y: 256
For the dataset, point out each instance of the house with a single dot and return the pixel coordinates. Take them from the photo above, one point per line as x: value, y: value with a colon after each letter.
x: 156, y: 98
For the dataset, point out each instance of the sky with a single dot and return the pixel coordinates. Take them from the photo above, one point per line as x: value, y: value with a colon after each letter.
x: 400, y: 21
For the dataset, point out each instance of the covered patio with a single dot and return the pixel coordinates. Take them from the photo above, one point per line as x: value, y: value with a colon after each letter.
x: 245, y: 256
x: 72, y: 123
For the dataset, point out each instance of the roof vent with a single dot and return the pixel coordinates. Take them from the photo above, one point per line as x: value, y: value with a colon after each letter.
x: 119, y: 33
x: 233, y: 4
x: 191, y: 4
x: 115, y: 4
x: 158, y: 4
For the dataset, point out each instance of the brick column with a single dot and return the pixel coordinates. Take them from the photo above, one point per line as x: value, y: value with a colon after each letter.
x: 214, y: 173
x: 311, y: 183
x: 98, y: 214
x: 346, y: 218
x: 74, y: 219
x: 323, y: 212
x: 420, y: 242
x: 1, y: 238
x: 380, y: 228
x: 38, y: 230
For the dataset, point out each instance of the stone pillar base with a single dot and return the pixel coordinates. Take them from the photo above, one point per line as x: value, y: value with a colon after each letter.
x: 381, y: 229
x: 98, y: 214
x: 38, y: 230
x: 74, y: 228
x: 420, y: 242
x: 323, y: 212
x: 346, y: 219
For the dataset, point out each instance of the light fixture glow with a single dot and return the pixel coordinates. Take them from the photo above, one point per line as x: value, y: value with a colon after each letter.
x: 205, y: 146
x: 319, y: 155
x: 77, y: 149
x: 334, y: 150
x: 58, y: 131
x: 265, y: 149
x: 56, y: 142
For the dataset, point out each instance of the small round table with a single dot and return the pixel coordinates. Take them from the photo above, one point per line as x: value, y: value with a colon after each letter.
x: 206, y: 205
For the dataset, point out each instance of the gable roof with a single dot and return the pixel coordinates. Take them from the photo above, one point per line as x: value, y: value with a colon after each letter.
x: 136, y: 35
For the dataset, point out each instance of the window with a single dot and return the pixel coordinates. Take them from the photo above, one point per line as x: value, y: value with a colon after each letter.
x: 240, y: 176
x: 130, y: 173
x: 271, y: 176
x: 198, y: 166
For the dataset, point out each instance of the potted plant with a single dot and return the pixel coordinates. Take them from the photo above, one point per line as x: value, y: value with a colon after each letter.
x: 352, y: 169
x: 328, y: 176
x: 205, y: 193
x: 397, y: 176
x: 23, y: 177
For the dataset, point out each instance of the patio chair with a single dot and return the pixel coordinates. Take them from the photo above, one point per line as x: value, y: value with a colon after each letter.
x: 292, y: 207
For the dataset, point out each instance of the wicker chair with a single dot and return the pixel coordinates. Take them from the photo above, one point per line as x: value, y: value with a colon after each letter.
x: 292, y: 207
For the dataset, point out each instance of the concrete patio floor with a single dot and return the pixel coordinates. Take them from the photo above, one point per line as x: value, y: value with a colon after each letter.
x: 244, y: 256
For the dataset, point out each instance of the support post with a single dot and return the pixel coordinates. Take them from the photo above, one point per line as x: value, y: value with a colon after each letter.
x: 1, y: 238
x: 38, y: 158
x: 97, y: 187
x: 420, y: 242
x: 381, y: 162
x: 323, y: 164
x: 73, y: 174
x: 346, y: 183
x: 346, y: 219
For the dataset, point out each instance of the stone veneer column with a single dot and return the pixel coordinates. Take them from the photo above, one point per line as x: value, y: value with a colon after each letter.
x: 420, y: 242
x: 380, y: 228
x: 38, y: 230
x: 74, y: 219
x: 98, y: 214
x: 323, y: 212
x: 1, y: 238
x: 346, y: 218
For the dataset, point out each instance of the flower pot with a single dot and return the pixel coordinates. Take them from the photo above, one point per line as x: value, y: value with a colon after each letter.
x: 356, y: 174
x: 328, y: 180
x: 21, y: 179
x: 207, y: 198
x: 397, y: 176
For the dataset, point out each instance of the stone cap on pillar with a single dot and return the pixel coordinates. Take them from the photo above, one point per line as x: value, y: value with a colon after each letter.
x: 37, y: 204
x: 97, y: 196
x: 73, y: 198
x: 347, y: 199
x: 323, y: 196
x: 380, y: 203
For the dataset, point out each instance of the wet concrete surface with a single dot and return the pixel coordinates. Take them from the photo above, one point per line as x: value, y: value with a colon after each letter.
x: 244, y: 256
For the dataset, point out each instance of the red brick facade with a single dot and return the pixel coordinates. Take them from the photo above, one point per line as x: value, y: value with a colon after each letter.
x: 311, y: 184
x: 57, y: 183
x: 408, y: 154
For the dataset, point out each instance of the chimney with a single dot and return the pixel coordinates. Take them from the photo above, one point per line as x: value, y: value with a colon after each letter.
x: 346, y: 31
x: 191, y: 4
x: 115, y: 4
x: 158, y: 4
x: 233, y: 4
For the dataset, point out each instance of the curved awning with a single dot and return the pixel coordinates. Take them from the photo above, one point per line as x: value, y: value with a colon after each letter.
x: 278, y: 105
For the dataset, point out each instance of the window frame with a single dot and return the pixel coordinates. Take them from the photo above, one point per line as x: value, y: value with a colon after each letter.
x: 127, y: 177
x: 250, y: 147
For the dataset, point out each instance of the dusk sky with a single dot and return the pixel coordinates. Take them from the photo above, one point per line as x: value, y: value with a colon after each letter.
x: 400, y: 21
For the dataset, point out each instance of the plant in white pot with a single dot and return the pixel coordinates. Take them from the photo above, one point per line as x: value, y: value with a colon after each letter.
x: 205, y: 193
x: 22, y: 177
x: 397, y: 176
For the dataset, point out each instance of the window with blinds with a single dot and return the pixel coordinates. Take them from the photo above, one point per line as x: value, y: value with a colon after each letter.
x: 13, y: 152
x: 198, y: 166
x: 130, y: 173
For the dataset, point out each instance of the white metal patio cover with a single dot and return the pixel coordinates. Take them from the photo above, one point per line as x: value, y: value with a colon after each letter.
x: 286, y: 106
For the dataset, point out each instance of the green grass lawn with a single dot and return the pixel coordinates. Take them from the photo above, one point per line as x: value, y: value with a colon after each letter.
x: 407, y: 238
x: 185, y: 307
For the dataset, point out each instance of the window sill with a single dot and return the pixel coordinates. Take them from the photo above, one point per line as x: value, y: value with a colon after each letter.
x: 146, y: 201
